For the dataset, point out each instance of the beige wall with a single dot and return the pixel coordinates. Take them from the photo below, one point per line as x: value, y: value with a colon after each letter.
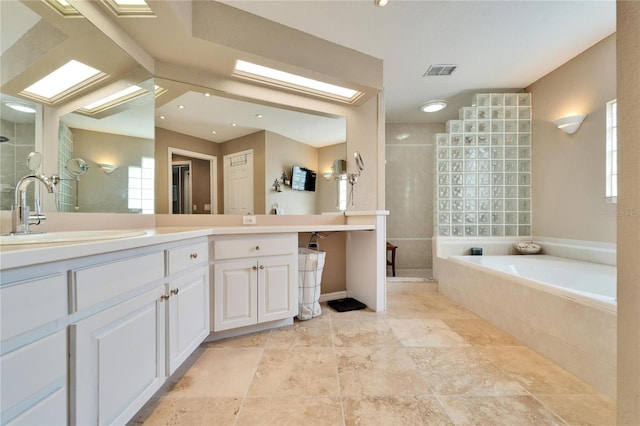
x: 409, y: 191
x: 98, y: 191
x: 282, y: 154
x: 628, y: 75
x: 568, y: 171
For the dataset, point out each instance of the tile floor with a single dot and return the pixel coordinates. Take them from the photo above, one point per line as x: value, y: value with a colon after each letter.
x: 424, y: 361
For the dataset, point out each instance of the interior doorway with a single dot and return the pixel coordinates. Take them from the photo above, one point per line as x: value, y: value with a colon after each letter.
x: 192, y: 182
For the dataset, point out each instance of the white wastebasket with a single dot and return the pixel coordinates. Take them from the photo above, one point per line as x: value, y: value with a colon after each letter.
x: 310, y: 264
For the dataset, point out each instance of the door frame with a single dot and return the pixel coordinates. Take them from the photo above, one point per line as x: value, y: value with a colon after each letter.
x: 213, y: 175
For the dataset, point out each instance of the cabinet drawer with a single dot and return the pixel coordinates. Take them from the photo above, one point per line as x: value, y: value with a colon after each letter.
x: 97, y: 284
x: 28, y: 304
x: 33, y: 371
x: 180, y: 258
x: 267, y: 245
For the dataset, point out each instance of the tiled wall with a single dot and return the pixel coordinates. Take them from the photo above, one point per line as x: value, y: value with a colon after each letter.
x: 13, y: 156
x: 409, y: 154
x: 483, y: 168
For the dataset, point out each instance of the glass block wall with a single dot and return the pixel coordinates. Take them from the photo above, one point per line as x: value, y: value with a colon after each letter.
x: 64, y: 190
x: 483, y: 169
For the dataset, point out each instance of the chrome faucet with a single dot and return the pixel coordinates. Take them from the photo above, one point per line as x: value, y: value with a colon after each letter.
x: 20, y: 217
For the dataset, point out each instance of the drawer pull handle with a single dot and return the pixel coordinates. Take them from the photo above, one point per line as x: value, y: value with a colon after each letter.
x: 261, y: 266
x: 193, y: 255
x: 257, y: 248
x: 175, y: 291
x: 164, y: 297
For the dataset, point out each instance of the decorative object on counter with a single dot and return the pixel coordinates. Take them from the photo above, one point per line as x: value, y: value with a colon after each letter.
x: 476, y: 251
x: 276, y: 186
x: 527, y: 247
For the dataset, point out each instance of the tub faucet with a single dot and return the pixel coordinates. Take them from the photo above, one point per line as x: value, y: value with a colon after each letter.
x: 20, y: 217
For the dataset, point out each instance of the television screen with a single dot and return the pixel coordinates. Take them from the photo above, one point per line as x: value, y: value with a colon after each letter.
x: 303, y: 179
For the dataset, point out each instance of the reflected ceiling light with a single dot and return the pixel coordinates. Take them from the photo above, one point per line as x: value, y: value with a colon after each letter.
x: 433, y: 106
x: 207, y: 95
x: 213, y: 132
x: 162, y: 117
x: 381, y: 3
x: 258, y: 115
x: 181, y: 106
x: 130, y: 8
x: 117, y: 98
x: 292, y: 81
x: 570, y: 124
x: 234, y: 124
x: 67, y: 79
x: 63, y: 8
x: 21, y: 107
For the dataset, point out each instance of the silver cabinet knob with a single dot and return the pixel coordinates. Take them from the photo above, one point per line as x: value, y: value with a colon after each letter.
x: 257, y: 248
x: 193, y: 256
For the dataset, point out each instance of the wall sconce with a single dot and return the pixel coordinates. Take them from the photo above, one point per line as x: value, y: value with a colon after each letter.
x: 570, y: 124
x: 327, y: 175
x: 108, y: 168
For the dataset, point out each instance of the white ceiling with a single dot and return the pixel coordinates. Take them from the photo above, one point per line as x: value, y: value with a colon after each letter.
x: 496, y: 44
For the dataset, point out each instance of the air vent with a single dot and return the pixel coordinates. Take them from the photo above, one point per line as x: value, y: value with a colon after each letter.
x: 440, y: 70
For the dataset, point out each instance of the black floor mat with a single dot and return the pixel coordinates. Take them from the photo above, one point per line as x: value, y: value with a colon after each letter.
x: 347, y: 304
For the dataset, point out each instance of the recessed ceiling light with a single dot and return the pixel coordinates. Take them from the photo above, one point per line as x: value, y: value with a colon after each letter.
x: 258, y: 115
x: 433, y: 106
x: 181, y: 106
x: 292, y: 81
x: 21, y: 107
x: 162, y: 117
x: 207, y: 94
x: 381, y: 3
x: 234, y: 124
x: 72, y: 75
x: 213, y: 132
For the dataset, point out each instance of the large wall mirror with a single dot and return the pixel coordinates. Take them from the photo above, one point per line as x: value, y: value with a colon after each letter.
x: 218, y: 154
x: 106, y: 139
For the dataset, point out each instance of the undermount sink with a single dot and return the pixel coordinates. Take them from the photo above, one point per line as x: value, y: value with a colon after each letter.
x: 66, y: 236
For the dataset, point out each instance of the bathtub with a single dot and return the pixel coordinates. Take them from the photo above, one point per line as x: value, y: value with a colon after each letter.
x: 589, y: 283
x: 564, y: 309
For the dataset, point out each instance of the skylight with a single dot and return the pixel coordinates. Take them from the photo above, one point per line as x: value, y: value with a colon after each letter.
x: 293, y: 81
x: 70, y: 77
x: 63, y: 7
x: 117, y: 98
x: 138, y: 8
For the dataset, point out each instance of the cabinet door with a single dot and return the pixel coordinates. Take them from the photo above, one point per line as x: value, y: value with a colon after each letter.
x: 235, y: 294
x: 188, y: 315
x: 277, y: 288
x: 117, y: 360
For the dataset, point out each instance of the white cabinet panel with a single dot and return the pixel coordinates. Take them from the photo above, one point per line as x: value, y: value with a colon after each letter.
x: 32, y: 303
x: 235, y: 295
x: 100, y: 283
x: 189, y: 315
x: 50, y: 411
x: 184, y: 257
x: 276, y: 297
x: 118, y: 360
x: 235, y: 247
x: 32, y: 373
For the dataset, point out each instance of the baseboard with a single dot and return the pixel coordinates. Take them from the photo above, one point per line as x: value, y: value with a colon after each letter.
x: 333, y: 296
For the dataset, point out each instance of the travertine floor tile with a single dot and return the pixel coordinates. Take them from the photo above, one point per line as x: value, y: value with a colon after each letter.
x: 253, y: 340
x: 294, y: 371
x: 188, y: 412
x: 504, y: 410
x: 378, y: 371
x: 535, y: 373
x: 583, y: 410
x: 290, y: 410
x: 479, y: 332
x: 436, y: 306
x: 425, y: 333
x: 314, y: 332
x: 363, y: 333
x: 462, y: 371
x: 219, y: 372
x: 394, y: 410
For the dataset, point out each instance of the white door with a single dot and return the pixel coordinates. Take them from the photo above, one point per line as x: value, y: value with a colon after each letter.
x: 238, y: 183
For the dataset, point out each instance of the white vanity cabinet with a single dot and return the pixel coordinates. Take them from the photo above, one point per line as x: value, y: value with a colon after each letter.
x: 117, y: 344
x: 254, y: 279
x: 33, y: 364
x: 188, y: 299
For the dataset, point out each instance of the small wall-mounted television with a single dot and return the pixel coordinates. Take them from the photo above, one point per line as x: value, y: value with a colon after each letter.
x: 303, y: 179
